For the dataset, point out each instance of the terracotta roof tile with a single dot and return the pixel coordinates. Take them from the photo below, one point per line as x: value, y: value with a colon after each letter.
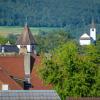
x: 6, y: 79
x: 14, y: 65
x: 37, y: 82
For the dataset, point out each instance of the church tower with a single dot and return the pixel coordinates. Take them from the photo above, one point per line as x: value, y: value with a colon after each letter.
x: 93, y: 31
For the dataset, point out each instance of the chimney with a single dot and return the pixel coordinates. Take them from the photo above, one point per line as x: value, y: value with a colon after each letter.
x: 5, y: 87
x: 27, y: 69
x: 27, y: 66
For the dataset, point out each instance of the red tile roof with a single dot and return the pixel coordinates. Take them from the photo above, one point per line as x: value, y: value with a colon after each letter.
x: 14, y: 65
x: 37, y: 82
x: 6, y: 79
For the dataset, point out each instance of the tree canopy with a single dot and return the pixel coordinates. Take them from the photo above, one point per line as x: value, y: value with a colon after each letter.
x: 73, y: 73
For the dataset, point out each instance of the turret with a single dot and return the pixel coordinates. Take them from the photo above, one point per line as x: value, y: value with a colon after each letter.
x: 26, y: 42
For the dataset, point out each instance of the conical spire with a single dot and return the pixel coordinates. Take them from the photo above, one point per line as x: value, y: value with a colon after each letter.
x: 92, y: 23
x: 26, y: 22
x: 26, y: 38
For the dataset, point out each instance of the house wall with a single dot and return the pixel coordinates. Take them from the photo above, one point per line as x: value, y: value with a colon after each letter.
x: 85, y: 42
x: 1, y: 85
x: 29, y: 48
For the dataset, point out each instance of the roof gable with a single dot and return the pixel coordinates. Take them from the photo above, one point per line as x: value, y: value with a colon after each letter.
x: 85, y: 36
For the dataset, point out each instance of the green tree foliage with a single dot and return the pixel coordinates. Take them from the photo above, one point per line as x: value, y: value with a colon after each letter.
x: 72, y: 73
x: 51, y: 13
x: 48, y: 41
x: 11, y: 38
x: 3, y: 40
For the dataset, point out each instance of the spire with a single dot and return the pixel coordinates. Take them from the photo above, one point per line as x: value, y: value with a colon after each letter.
x: 92, y: 23
x: 26, y: 38
x: 26, y: 22
x: 84, y: 25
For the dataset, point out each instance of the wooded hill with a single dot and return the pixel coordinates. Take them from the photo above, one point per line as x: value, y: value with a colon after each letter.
x: 55, y: 13
x: 71, y: 14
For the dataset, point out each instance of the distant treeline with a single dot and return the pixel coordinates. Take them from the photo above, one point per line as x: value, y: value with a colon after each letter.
x: 49, y: 13
x: 74, y: 15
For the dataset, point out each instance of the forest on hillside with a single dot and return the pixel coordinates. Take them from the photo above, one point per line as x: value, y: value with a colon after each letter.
x: 49, y: 13
x: 73, y: 15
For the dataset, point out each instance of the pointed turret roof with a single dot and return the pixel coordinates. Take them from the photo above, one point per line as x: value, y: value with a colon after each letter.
x: 26, y: 38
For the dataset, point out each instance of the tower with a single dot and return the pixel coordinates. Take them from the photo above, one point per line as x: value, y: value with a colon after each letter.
x: 93, y: 31
x: 26, y: 42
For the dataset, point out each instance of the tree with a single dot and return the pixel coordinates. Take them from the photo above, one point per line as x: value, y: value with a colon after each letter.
x: 3, y: 40
x: 47, y: 41
x: 71, y: 73
x: 12, y: 38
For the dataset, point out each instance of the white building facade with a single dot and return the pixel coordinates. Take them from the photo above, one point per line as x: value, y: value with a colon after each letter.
x: 85, y: 39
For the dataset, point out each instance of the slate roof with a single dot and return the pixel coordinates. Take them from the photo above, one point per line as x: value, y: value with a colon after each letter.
x: 29, y: 95
x: 9, y: 48
x: 26, y: 38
